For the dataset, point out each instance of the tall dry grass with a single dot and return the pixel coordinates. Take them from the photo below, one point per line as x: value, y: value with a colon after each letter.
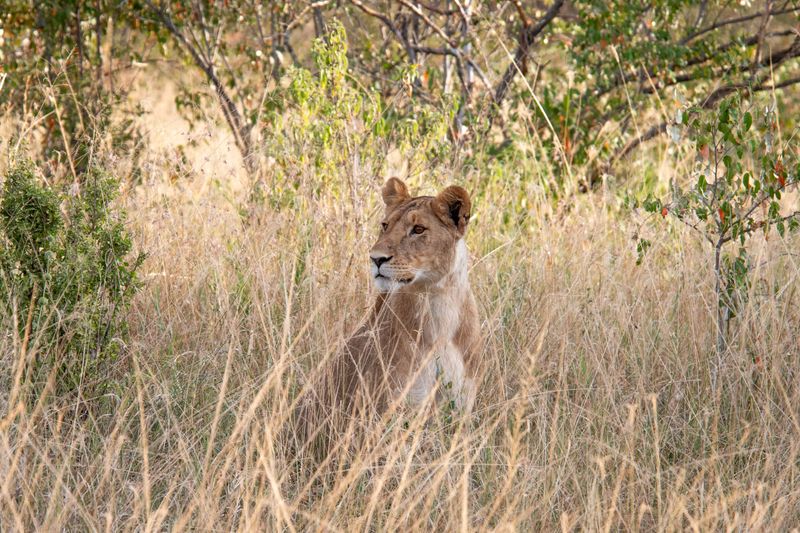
x: 596, y: 412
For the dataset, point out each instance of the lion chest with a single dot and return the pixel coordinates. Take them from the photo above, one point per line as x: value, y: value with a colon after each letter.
x: 444, y: 366
x: 438, y: 358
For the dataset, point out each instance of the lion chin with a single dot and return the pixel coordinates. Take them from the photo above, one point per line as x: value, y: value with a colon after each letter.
x: 384, y: 284
x: 421, y: 342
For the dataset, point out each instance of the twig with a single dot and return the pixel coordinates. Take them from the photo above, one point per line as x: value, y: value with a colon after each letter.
x: 421, y: 14
x: 67, y: 147
x: 23, y: 351
x: 760, y: 42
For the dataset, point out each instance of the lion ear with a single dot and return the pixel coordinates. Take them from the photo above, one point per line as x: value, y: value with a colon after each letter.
x: 453, y: 207
x: 394, y: 192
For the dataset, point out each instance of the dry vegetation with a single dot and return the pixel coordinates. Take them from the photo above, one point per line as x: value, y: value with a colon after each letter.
x: 604, y: 405
x: 597, y: 411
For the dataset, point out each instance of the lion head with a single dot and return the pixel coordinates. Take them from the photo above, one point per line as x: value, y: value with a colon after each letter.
x: 421, y: 239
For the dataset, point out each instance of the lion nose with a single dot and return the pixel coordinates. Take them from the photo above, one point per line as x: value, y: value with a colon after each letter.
x: 380, y: 259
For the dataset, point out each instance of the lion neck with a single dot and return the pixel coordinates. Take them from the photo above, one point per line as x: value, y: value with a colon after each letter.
x: 431, y: 316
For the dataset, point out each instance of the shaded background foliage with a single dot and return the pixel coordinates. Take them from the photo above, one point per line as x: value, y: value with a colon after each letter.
x: 594, y: 80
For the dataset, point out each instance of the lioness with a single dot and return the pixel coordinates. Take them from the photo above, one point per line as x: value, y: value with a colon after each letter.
x: 423, y: 328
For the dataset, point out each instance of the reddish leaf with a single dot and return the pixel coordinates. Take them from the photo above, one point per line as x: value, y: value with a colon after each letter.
x: 664, y: 212
x: 780, y: 172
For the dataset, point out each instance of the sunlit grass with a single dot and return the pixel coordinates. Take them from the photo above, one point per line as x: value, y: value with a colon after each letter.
x: 596, y: 410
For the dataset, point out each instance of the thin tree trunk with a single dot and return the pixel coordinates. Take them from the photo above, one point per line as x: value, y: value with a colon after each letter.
x: 721, y: 341
x: 319, y: 22
x: 98, y: 45
x: 528, y: 33
x: 79, y: 38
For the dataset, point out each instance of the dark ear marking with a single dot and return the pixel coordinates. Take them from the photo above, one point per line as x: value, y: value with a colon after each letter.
x: 453, y: 205
x: 455, y: 212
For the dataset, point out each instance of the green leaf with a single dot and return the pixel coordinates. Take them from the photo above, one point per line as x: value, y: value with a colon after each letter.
x: 641, y: 249
x: 747, y: 121
x: 651, y: 205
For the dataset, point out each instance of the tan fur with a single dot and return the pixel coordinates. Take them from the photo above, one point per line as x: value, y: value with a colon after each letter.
x: 423, y: 329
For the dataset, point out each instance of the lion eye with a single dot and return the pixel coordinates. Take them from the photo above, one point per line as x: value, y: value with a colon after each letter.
x: 417, y: 229
x: 384, y: 225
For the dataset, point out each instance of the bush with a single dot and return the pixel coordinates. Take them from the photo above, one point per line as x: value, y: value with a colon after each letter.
x: 64, y: 260
x: 734, y: 192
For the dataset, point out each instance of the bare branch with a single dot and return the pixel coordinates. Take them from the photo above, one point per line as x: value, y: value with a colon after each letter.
x: 761, y: 223
x: 412, y: 48
x: 718, y: 94
x: 737, y: 20
x: 646, y: 75
x: 421, y: 14
x: 653, y: 132
x: 527, y: 35
x: 241, y: 133
x: 762, y: 29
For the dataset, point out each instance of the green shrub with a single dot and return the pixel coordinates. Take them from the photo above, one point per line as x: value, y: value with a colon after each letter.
x: 64, y: 257
x: 734, y: 191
